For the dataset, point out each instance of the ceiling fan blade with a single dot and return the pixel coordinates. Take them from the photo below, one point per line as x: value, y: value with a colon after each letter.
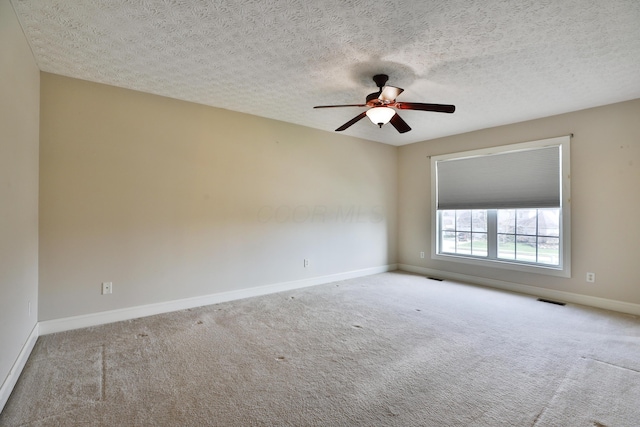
x: 334, y: 106
x: 352, y: 121
x: 390, y: 93
x: 438, y: 108
x: 400, y: 125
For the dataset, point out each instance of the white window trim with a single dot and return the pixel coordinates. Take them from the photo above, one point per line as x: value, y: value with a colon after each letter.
x: 564, y: 269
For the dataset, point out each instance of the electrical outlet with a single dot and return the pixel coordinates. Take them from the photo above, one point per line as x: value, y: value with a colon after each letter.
x: 421, y: 254
x: 591, y: 277
x: 107, y: 288
x: 306, y: 263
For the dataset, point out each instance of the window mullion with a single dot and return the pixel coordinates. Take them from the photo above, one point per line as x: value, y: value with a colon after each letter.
x: 492, y: 233
x: 537, y: 234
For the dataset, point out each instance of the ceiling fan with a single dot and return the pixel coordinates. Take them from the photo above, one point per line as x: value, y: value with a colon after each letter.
x: 382, y: 104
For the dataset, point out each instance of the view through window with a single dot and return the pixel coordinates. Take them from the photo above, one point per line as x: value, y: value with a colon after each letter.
x: 527, y: 235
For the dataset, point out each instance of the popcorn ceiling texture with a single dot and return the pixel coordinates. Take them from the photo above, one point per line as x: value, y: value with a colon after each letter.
x: 499, y: 62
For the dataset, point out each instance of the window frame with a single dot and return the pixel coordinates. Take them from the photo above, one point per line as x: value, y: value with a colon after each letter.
x: 564, y: 267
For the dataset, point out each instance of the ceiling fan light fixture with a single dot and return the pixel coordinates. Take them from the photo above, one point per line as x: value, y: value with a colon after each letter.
x: 380, y: 115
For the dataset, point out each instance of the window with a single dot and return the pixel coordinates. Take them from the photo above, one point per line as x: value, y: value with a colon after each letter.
x: 506, y: 207
x: 464, y: 232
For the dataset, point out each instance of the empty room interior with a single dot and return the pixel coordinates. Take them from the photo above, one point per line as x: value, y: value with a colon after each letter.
x: 186, y: 240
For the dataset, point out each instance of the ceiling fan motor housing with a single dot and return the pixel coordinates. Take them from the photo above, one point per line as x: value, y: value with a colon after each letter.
x: 380, y: 80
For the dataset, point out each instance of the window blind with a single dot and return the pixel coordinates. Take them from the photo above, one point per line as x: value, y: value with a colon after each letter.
x: 520, y: 179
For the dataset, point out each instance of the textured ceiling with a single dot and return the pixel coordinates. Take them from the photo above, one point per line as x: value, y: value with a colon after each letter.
x: 498, y: 61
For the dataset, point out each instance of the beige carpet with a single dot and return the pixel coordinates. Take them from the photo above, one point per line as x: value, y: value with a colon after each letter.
x: 392, y: 349
x: 611, y: 394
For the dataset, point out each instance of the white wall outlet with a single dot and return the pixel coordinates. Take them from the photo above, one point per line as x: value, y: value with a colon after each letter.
x: 421, y: 254
x: 306, y: 263
x: 107, y: 288
x: 591, y: 277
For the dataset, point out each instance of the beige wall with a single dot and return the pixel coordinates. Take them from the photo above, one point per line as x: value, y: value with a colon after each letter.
x: 169, y: 199
x: 605, y: 190
x: 19, y: 112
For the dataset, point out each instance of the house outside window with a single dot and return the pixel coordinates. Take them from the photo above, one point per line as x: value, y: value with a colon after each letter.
x: 504, y: 207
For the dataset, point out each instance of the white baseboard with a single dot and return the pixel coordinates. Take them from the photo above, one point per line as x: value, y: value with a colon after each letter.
x: 94, y: 319
x: 607, y: 304
x: 12, y: 378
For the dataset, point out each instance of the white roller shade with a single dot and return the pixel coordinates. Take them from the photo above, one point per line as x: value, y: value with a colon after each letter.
x: 519, y: 179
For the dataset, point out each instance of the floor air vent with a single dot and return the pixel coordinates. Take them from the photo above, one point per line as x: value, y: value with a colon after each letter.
x: 551, y: 301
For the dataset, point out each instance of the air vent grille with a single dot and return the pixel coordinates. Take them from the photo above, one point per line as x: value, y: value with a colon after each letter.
x: 551, y: 301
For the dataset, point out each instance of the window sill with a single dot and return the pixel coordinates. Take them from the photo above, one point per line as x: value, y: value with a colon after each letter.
x: 505, y: 265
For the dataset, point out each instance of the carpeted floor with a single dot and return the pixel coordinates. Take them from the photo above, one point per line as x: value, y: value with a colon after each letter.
x: 394, y: 349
